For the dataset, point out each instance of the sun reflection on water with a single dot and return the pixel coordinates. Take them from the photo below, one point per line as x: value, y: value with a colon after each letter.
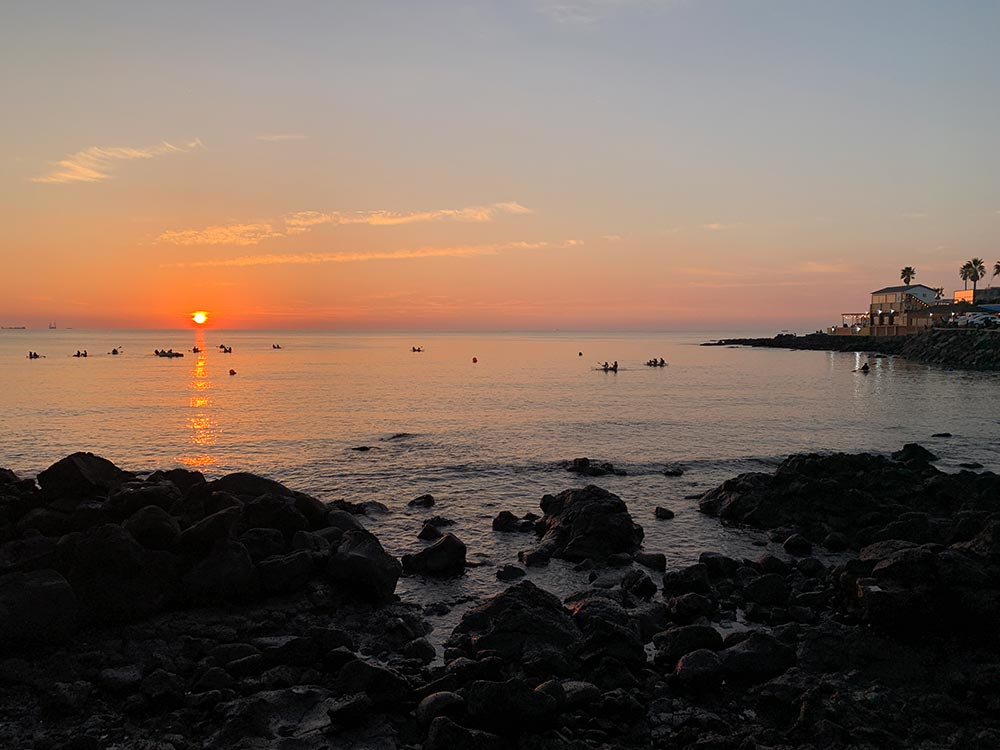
x: 201, y: 420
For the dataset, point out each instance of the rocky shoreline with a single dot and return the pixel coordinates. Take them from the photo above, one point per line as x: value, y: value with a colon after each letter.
x: 962, y: 348
x: 168, y: 612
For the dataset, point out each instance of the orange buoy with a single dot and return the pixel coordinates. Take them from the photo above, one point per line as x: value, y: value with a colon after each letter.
x: 232, y: 372
x: 474, y: 360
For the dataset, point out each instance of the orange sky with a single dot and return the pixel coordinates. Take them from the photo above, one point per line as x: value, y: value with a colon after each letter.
x: 580, y: 164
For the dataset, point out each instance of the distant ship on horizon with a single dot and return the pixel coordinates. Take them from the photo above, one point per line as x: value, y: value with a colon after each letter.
x: 52, y: 326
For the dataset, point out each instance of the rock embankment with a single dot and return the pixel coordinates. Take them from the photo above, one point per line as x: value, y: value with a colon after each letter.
x: 965, y: 348
x: 175, y: 613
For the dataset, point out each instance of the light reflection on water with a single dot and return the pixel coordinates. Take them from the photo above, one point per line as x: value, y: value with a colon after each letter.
x: 481, y: 437
x: 202, y: 419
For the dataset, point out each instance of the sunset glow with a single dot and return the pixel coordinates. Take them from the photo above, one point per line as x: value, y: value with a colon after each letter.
x: 199, y: 317
x: 581, y: 164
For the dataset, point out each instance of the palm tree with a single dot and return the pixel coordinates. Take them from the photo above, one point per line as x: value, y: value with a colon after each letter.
x: 907, y: 274
x: 996, y: 268
x: 973, y: 270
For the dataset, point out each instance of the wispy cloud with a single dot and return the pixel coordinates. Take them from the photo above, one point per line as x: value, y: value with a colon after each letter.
x: 279, y: 137
x: 96, y: 163
x: 612, y: 237
x: 233, y: 234
x: 462, y: 251
x: 303, y: 221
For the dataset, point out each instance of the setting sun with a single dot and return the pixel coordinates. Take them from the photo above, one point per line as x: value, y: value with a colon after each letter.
x: 199, y: 317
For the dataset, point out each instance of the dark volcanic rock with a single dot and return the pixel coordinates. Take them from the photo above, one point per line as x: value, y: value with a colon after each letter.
x: 521, y: 625
x: 153, y: 527
x: 854, y: 496
x: 362, y: 565
x: 588, y: 468
x: 672, y: 644
x: 446, y: 557
x: 81, y: 475
x: 914, y: 453
x: 757, y: 658
x: 36, y: 607
x: 509, y: 707
x: 429, y: 533
x: 589, y: 523
x: 423, y: 501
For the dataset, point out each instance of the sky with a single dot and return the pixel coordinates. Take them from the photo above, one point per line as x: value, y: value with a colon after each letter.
x: 491, y: 164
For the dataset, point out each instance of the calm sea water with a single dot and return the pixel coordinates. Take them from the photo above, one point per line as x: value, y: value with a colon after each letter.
x: 480, y: 436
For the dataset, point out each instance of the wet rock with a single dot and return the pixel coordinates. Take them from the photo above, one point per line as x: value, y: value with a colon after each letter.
x: 797, y: 544
x: 588, y: 523
x: 132, y: 497
x: 914, y: 453
x: 652, y: 560
x: 153, y: 527
x: 768, y: 589
x: 693, y: 578
x: 24, y: 555
x: 81, y: 475
x: 672, y: 644
x: 362, y: 565
x: 266, y: 715
x: 718, y: 565
x: 509, y: 573
x: 757, y: 658
x: 247, y: 486
x: 509, y: 707
x: 275, y: 512
x: 116, y: 579
x: 36, y: 607
x: 523, y: 624
x: 506, y: 522
x: 429, y: 533
x: 227, y: 573
x: 588, y: 468
x: 687, y: 608
x: 263, y: 543
x: 699, y: 671
x: 196, y: 541
x: 311, y: 542
x: 423, y: 501
x: 639, y: 584
x: 384, y: 686
x: 344, y: 521
x: 664, y: 514
x: 443, y: 703
x: 283, y: 574
x: 835, y: 542
x: 445, y: 734
x: 673, y: 470
x: 446, y: 557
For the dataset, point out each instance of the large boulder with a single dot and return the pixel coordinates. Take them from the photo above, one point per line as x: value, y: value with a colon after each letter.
x: 114, y: 577
x: 153, y: 527
x: 227, y: 573
x: 587, y: 523
x: 362, y: 565
x: 509, y: 707
x: 757, y: 658
x: 446, y: 557
x: 35, y: 607
x: 858, y: 498
x: 81, y: 475
x: 523, y: 625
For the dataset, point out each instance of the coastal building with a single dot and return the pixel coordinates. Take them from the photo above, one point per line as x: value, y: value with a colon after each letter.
x: 896, y: 311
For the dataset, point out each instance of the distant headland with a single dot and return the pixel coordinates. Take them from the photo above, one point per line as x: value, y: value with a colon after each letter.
x: 964, y: 348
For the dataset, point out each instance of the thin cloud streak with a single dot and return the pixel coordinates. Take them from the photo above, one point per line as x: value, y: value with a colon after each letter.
x: 466, y: 251
x: 304, y: 221
x: 96, y: 163
x: 233, y: 234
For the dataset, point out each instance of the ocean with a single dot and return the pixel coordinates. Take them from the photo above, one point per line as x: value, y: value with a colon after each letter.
x: 481, y: 436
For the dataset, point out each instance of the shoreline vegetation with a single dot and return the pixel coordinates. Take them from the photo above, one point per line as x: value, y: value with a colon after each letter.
x: 166, y: 611
x: 967, y: 349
